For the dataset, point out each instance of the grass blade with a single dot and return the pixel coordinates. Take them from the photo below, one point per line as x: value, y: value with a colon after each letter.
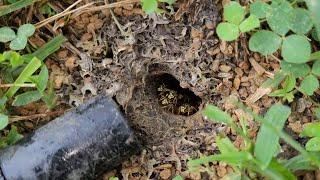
x: 299, y: 162
x: 47, y: 49
x: 16, y: 6
x: 274, y: 171
x: 32, y: 67
x: 217, y: 115
x: 232, y: 157
x: 287, y: 138
x: 267, y: 141
x: 225, y: 145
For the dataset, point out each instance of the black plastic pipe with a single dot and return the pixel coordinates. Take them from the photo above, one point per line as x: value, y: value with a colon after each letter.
x: 81, y: 144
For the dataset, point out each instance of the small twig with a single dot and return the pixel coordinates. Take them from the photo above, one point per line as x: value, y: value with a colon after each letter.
x: 17, y: 85
x: 63, y: 13
x: 118, y: 24
x: 82, y: 9
x: 112, y: 5
x: 274, y: 57
x: 13, y: 119
x: 72, y: 5
x: 29, y: 15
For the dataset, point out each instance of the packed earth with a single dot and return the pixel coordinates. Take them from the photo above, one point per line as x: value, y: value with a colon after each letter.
x: 162, y: 69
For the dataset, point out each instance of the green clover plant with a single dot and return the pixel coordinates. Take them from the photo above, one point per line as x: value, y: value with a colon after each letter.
x: 281, y: 17
x: 17, y: 41
x: 289, y: 25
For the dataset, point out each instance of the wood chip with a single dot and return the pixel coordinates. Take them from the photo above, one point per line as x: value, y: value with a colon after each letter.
x: 256, y: 66
x: 236, y: 83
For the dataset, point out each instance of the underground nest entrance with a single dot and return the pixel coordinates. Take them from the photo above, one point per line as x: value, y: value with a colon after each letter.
x: 173, y: 98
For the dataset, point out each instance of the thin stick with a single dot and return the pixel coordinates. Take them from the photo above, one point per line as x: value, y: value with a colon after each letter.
x: 63, y: 13
x: 71, y: 6
x: 274, y: 57
x: 118, y: 24
x: 16, y: 85
x: 22, y: 118
x: 112, y: 5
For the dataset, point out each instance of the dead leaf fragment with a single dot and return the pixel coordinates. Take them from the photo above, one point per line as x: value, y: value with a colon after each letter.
x: 257, y: 67
x: 258, y: 94
x: 70, y: 63
x: 296, y: 127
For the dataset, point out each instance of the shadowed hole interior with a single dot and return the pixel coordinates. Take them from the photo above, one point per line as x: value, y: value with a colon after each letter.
x: 175, y: 99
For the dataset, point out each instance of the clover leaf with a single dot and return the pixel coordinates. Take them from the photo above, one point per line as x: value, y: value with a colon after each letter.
x: 298, y: 70
x: 309, y: 85
x: 316, y: 68
x: 227, y: 31
x: 233, y: 13
x: 301, y: 21
x: 279, y: 18
x: 313, y: 144
x: 26, y: 30
x: 259, y: 9
x: 296, y: 49
x: 249, y: 24
x: 264, y: 42
x: 19, y: 43
x: 6, y: 34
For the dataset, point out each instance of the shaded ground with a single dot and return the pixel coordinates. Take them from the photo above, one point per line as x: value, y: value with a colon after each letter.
x: 125, y: 56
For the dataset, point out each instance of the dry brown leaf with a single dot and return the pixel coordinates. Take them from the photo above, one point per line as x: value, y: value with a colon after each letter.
x: 258, y: 94
x: 70, y: 63
x: 62, y: 54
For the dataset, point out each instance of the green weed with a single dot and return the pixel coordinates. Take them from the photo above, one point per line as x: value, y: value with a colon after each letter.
x: 21, y: 71
x: 260, y: 156
x: 150, y: 6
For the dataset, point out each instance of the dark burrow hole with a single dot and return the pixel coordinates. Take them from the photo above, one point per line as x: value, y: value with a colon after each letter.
x: 173, y: 98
